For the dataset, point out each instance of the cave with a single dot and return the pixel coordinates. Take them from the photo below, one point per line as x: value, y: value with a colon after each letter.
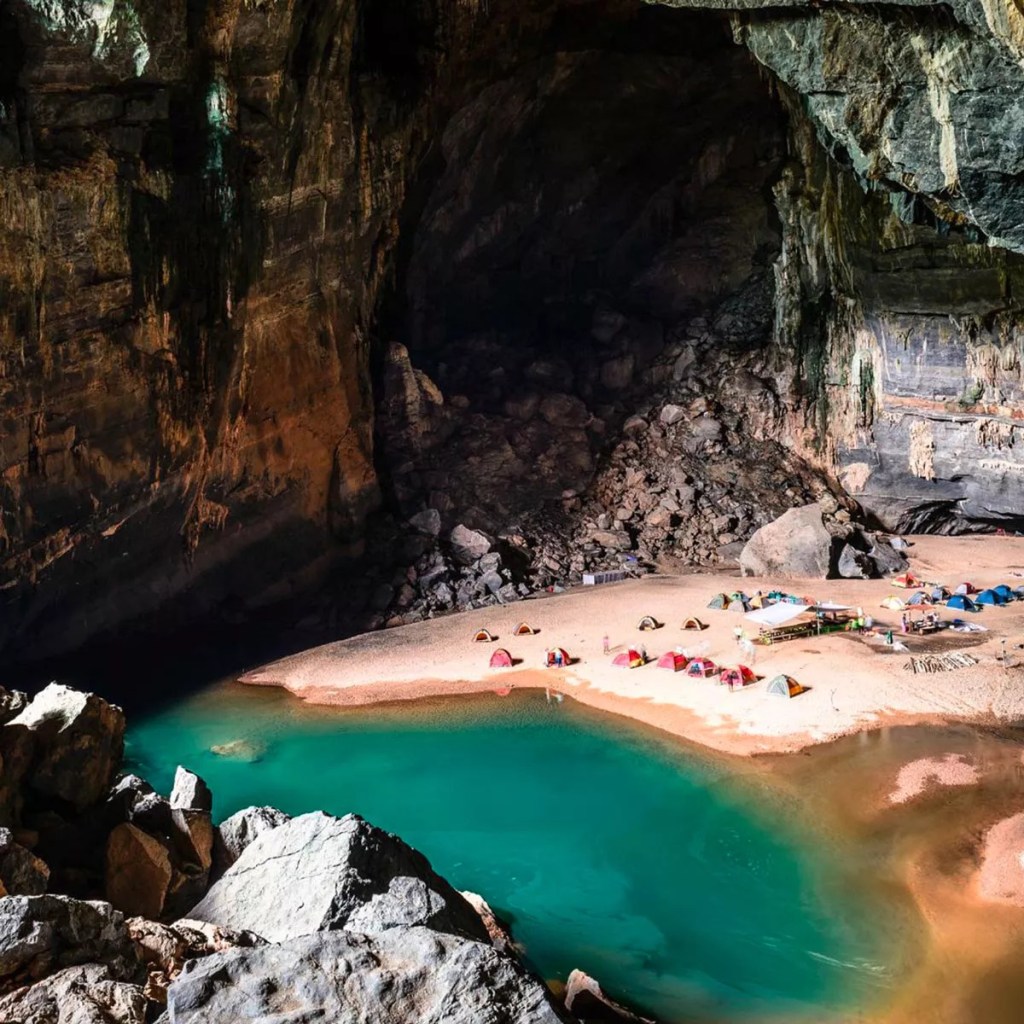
x: 294, y: 283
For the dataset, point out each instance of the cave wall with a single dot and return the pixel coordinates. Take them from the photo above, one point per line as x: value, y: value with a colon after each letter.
x: 899, y: 326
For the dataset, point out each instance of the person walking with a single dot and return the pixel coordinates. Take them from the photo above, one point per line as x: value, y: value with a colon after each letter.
x: 604, y: 644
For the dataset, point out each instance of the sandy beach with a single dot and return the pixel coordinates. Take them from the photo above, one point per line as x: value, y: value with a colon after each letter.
x: 853, y: 682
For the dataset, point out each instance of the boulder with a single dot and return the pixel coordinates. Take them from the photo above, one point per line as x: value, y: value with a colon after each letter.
x: 42, y: 934
x: 797, y: 544
x: 21, y: 872
x: 89, y: 994
x: 405, y: 974
x: 12, y: 703
x: 585, y: 1000
x: 616, y: 540
x: 235, y: 833
x: 617, y: 373
x: 138, y: 871
x: 78, y: 743
x: 501, y: 936
x: 564, y: 411
x: 427, y: 522
x: 166, y: 948
x: 353, y: 874
x: 190, y: 792
x: 671, y: 414
x: 886, y: 558
x: 854, y: 564
x: 468, y: 545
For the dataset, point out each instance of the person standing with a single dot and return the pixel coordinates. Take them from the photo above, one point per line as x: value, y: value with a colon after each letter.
x: 604, y: 644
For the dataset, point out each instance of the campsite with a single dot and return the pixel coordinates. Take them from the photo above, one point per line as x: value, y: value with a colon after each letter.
x: 831, y: 637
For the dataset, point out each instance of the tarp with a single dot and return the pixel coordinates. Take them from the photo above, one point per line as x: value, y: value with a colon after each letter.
x: 830, y: 606
x: 778, y: 614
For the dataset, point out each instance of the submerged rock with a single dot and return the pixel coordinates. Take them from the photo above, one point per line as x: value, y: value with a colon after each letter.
x: 240, y: 750
x: 585, y: 1000
x: 353, y: 874
x: 405, y: 974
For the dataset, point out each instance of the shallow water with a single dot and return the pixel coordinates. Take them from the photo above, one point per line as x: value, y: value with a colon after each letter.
x: 691, y: 885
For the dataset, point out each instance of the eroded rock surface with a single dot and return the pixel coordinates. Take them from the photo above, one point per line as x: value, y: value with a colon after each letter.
x: 318, y: 873
x: 403, y: 974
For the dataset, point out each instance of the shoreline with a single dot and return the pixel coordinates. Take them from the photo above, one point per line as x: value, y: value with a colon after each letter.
x: 854, y: 684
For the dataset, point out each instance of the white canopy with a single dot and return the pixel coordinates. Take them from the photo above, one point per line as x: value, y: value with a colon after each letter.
x: 777, y: 614
x: 830, y: 606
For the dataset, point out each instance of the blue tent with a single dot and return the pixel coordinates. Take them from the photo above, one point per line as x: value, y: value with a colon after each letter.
x: 962, y: 602
x: 988, y: 597
x: 1004, y: 592
x: 919, y: 597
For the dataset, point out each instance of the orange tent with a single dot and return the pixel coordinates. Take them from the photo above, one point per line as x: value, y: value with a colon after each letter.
x: 524, y: 629
x: 483, y: 636
x: 693, y: 623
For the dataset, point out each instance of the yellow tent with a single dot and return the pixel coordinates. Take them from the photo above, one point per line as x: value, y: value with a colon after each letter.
x: 894, y: 603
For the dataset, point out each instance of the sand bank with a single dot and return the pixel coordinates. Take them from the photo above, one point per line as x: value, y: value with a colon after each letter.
x: 854, y: 683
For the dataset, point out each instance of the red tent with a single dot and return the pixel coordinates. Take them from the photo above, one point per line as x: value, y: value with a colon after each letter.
x: 673, y: 660
x: 737, y: 678
x: 628, y: 659
x: 501, y: 659
x: 701, y: 668
x: 556, y: 657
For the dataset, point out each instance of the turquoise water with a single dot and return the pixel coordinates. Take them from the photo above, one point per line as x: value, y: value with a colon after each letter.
x: 687, y: 884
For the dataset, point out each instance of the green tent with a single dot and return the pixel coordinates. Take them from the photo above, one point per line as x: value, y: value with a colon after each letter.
x: 719, y: 601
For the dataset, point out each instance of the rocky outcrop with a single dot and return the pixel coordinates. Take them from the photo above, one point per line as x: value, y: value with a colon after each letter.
x: 21, y: 872
x: 238, y: 831
x: 402, y: 974
x: 77, y: 741
x: 90, y: 994
x: 586, y: 1001
x: 796, y: 544
x: 353, y: 875
x: 42, y: 934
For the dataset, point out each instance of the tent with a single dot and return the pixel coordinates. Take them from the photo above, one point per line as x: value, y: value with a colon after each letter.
x: 966, y: 588
x: 673, y: 660
x: 501, y: 659
x: 738, y: 595
x: 776, y: 595
x: 701, y: 668
x: 556, y: 657
x: 739, y: 605
x: 1018, y: 592
x: 757, y: 601
x: 918, y: 599
x: 905, y: 580
x: 784, y: 686
x: 894, y: 603
x: 989, y: 597
x: 483, y: 636
x: 629, y: 659
x: 939, y: 594
x: 648, y: 622
x: 719, y: 601
x: 524, y: 629
x: 1004, y: 592
x: 962, y: 603
x: 736, y: 678
x: 692, y: 623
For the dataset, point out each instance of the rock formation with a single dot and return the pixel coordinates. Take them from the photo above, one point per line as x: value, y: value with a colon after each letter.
x: 260, y: 267
x: 313, y: 915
